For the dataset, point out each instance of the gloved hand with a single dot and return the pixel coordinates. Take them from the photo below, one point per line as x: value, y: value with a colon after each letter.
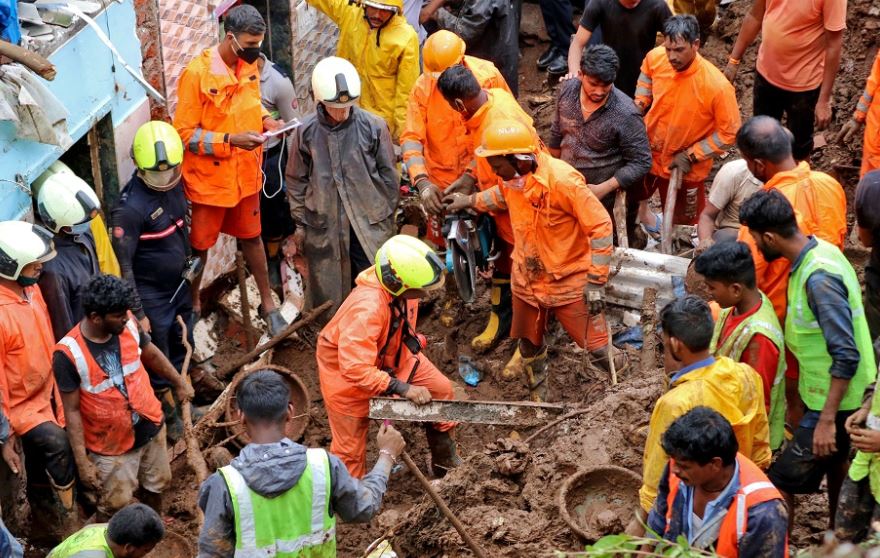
x: 594, y: 296
x: 682, y: 161
x: 848, y: 130
x: 458, y: 202
x: 464, y: 184
x: 431, y: 197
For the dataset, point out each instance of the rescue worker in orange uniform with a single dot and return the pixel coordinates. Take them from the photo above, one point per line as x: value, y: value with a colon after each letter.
x: 28, y: 393
x: 819, y: 200
x: 370, y: 348
x: 437, y: 152
x: 384, y: 49
x: 867, y: 112
x: 114, y: 421
x: 480, y: 108
x: 705, y: 483
x: 692, y: 117
x: 220, y: 119
x: 562, y: 251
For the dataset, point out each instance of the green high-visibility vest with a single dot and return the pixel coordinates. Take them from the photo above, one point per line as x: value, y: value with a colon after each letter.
x: 866, y: 463
x: 88, y: 542
x: 804, y: 338
x: 296, y: 523
x: 763, y: 322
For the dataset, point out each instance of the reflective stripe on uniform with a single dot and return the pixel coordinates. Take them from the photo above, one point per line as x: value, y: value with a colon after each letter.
x: 600, y: 243
x: 209, y: 143
x: 741, y: 507
x: 642, y: 91
x: 194, y: 141
x: 317, y: 459
x: 601, y: 259
x: 245, y: 517
x: 645, y: 78
x: 416, y: 160
x: 411, y: 145
x: 82, y: 368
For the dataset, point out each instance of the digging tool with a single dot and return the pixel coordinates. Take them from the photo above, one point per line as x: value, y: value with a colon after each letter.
x: 444, y: 509
x: 620, y: 218
x: 245, y: 302
x: 474, y: 412
x: 669, y: 210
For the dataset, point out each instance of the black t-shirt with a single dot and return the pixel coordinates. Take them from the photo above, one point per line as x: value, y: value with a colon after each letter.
x: 109, y: 357
x: 630, y: 32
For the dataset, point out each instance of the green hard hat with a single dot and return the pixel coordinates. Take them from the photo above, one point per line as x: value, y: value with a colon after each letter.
x: 157, y: 146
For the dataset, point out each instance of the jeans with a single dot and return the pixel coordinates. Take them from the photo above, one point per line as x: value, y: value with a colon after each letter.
x: 558, y: 17
x: 799, y: 108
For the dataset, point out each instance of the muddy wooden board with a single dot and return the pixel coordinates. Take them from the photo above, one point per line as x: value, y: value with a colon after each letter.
x: 475, y: 412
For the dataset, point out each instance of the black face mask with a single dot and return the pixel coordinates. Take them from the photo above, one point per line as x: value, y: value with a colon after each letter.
x: 248, y: 54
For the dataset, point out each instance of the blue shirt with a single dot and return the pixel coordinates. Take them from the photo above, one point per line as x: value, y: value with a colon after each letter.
x: 691, y: 367
x: 718, y: 506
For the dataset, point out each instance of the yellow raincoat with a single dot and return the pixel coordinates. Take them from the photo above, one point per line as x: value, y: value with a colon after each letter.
x: 731, y: 388
x: 387, y: 58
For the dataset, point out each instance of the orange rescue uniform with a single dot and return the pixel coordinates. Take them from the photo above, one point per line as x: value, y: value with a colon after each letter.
x: 352, y: 366
x: 27, y: 384
x: 214, y: 102
x: 562, y: 236
x: 820, y: 206
x: 500, y: 105
x: 434, y: 141
x: 868, y: 112
x: 694, y: 111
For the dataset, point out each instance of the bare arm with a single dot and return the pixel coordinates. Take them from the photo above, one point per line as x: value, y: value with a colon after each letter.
x: 706, y: 226
x: 833, y: 48
x: 576, y: 50
x: 70, y: 401
x: 750, y: 28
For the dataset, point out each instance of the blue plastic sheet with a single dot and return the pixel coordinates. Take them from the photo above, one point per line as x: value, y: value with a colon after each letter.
x: 9, y: 29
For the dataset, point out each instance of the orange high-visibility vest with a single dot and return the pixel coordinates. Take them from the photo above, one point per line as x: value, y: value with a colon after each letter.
x: 106, y: 413
x: 754, y: 488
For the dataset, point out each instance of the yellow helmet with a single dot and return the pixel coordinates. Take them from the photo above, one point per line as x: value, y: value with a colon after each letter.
x: 442, y: 50
x: 395, y: 6
x: 405, y: 262
x: 507, y: 137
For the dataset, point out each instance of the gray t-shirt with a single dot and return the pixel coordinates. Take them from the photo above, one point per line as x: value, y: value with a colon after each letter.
x: 277, y: 95
x: 732, y: 186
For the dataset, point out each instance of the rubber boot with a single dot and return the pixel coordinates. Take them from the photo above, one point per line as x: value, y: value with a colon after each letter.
x: 536, y: 372
x: 65, y: 507
x: 444, y: 451
x: 514, y: 367
x: 500, y: 316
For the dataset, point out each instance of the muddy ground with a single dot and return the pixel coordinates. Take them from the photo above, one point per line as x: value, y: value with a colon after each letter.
x: 506, y: 493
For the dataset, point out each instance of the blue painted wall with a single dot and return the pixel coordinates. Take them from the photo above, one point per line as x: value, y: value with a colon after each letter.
x: 90, y: 84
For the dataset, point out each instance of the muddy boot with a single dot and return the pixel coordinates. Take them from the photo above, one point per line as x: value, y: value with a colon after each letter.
x: 500, y: 316
x: 449, y: 312
x: 171, y: 410
x: 444, y: 453
x: 599, y: 357
x: 65, y: 508
x: 536, y: 373
x: 514, y: 367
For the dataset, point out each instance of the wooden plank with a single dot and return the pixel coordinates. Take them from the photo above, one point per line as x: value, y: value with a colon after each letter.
x: 476, y: 412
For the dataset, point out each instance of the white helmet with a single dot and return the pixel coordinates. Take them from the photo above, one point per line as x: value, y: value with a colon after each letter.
x: 21, y: 244
x: 335, y: 82
x: 64, y: 199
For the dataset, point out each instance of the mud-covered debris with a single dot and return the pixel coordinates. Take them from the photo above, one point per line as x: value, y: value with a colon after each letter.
x: 511, y: 457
